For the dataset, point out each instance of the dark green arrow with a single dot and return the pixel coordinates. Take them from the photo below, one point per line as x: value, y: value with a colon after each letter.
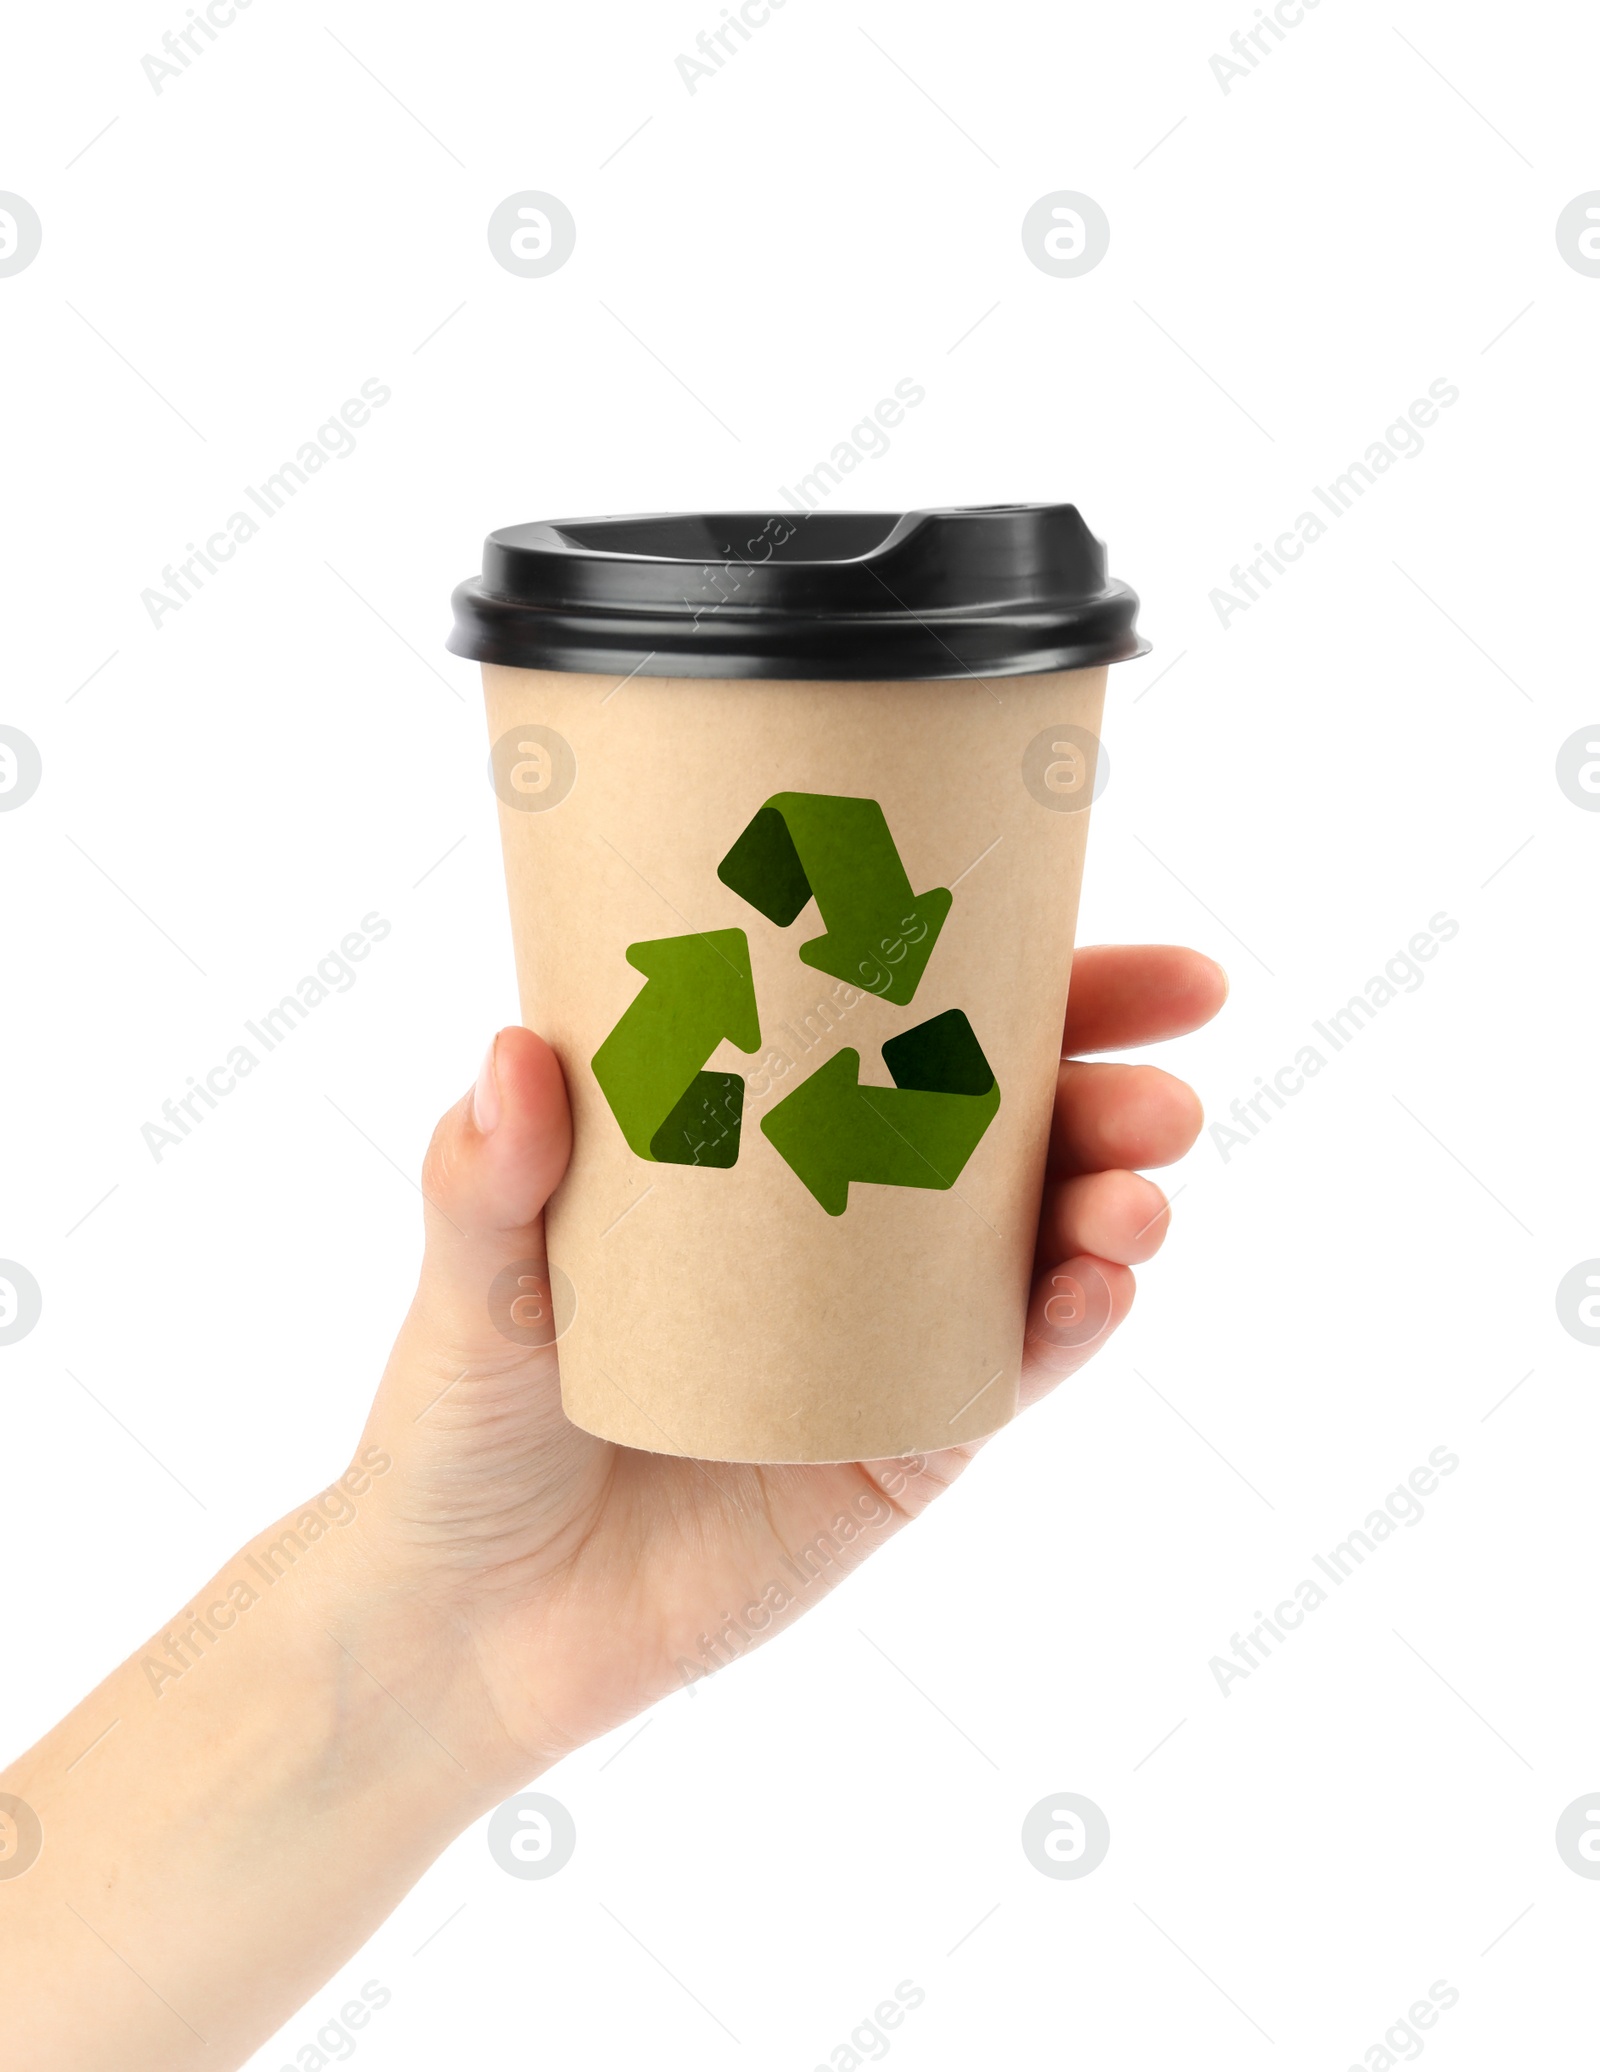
x: 918, y: 1133
x: 805, y: 843
x: 698, y: 990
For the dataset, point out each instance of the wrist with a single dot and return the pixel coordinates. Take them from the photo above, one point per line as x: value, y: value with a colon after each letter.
x: 394, y: 1658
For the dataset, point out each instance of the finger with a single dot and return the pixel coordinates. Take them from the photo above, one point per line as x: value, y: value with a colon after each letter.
x: 494, y: 1161
x: 497, y: 1154
x: 1072, y: 1311
x: 1128, y: 993
x: 1114, y: 1215
x: 1108, y: 1116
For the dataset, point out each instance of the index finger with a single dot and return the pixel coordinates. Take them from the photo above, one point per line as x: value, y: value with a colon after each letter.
x: 1125, y: 994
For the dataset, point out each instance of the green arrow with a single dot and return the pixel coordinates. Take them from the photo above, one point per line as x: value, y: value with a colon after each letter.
x: 805, y: 843
x: 918, y: 1133
x: 698, y: 990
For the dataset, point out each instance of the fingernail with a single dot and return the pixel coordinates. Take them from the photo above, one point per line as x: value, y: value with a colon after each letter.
x: 486, y: 1094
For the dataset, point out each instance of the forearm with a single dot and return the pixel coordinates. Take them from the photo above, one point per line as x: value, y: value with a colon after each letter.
x: 235, y: 1810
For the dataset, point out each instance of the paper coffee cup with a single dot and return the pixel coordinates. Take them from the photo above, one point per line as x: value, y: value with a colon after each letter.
x: 794, y: 809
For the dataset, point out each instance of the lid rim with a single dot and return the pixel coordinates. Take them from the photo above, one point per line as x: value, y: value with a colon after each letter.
x: 997, y: 590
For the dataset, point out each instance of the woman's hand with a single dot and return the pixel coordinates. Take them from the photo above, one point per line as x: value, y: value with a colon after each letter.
x: 590, y: 1580
x: 203, y: 1841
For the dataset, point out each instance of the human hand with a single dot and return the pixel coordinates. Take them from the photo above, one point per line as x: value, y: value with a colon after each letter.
x: 368, y: 1678
x: 584, y: 1581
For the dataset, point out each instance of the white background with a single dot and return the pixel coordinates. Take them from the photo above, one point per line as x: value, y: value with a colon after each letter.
x: 1372, y: 743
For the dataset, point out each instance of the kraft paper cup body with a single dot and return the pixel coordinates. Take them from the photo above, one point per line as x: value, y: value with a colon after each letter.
x: 721, y: 1311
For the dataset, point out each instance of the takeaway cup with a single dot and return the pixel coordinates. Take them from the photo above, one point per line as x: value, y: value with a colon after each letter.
x: 794, y: 807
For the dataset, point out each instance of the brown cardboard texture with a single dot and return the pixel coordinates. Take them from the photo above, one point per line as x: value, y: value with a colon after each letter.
x: 853, y: 1284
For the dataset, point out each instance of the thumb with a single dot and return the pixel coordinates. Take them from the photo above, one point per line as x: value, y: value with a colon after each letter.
x: 494, y: 1161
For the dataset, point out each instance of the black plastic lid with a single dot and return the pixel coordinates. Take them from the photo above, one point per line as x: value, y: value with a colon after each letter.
x: 992, y: 590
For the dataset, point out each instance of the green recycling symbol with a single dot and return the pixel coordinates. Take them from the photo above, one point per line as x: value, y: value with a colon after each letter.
x: 878, y: 935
